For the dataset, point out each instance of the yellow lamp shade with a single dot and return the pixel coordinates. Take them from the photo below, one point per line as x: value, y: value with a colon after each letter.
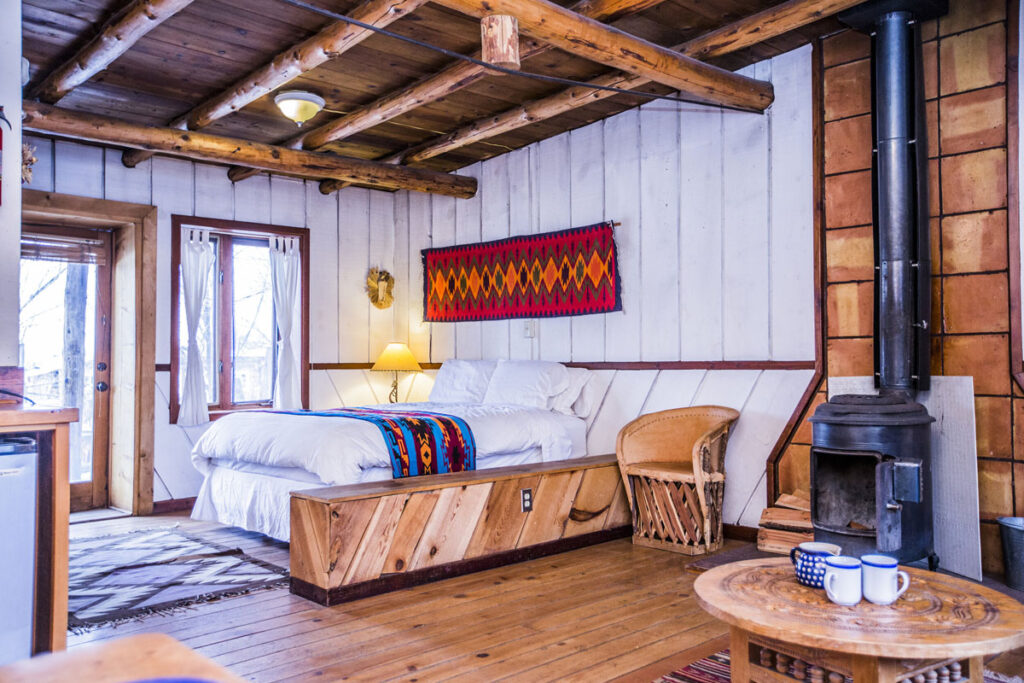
x: 397, y: 357
x: 298, y: 105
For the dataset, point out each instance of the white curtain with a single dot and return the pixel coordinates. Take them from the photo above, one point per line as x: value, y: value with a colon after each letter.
x: 197, y: 258
x: 285, y: 264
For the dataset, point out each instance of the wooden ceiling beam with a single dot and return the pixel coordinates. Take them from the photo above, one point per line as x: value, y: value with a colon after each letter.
x: 740, y: 34
x: 43, y: 118
x: 329, y: 43
x: 122, y: 31
x: 584, y: 37
x: 451, y: 79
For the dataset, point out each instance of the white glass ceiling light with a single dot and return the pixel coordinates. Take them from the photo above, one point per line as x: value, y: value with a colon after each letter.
x: 298, y: 105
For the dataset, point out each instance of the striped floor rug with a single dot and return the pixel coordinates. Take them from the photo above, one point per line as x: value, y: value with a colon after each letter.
x: 715, y: 669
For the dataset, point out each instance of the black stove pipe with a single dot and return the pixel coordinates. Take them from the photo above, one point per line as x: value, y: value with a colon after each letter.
x: 902, y: 282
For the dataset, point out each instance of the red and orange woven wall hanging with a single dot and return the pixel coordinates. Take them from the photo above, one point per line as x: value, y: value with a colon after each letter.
x: 570, y: 272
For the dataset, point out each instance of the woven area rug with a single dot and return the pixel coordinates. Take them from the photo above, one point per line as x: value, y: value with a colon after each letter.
x: 120, y: 578
x: 715, y: 669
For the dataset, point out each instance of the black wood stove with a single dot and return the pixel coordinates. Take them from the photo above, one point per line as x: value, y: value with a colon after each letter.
x: 870, y: 459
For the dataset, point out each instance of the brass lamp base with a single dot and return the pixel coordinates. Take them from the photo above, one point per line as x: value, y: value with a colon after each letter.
x: 393, y: 396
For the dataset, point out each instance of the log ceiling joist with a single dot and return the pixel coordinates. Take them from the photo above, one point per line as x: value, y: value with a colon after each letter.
x: 121, y: 32
x: 43, y: 118
x: 329, y: 43
x: 740, y: 34
x: 551, y: 23
x: 445, y: 82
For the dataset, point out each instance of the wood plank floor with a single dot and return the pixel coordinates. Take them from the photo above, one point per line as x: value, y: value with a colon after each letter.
x: 600, y: 613
x: 607, y: 612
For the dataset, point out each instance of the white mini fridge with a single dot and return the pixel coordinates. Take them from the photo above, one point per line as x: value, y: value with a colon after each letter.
x: 18, y: 463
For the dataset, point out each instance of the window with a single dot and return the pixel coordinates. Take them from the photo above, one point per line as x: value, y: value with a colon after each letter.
x: 237, y: 333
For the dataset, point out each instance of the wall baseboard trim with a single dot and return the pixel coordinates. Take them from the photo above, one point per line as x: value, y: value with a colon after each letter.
x: 161, y: 507
x: 394, y: 582
x: 739, y: 532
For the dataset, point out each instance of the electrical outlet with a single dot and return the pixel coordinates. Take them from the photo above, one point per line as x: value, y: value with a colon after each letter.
x: 529, y: 329
x: 527, y: 499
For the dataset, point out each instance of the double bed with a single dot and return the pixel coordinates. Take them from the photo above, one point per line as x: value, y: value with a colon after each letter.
x: 519, y: 412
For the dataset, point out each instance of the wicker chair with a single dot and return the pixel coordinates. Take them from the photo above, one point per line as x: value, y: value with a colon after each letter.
x: 673, y: 467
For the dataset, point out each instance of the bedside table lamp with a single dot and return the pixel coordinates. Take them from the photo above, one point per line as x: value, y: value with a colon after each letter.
x: 396, y: 357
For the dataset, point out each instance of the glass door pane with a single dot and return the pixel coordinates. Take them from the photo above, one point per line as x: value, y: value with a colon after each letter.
x: 58, y: 344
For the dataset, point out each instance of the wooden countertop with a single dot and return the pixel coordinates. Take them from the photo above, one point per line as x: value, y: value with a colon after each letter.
x: 146, y: 656
x: 30, y: 417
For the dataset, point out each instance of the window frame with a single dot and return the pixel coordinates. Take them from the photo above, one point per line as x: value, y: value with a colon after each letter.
x: 225, y: 230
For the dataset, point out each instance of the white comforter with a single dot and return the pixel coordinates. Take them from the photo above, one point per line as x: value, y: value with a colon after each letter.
x: 337, y: 450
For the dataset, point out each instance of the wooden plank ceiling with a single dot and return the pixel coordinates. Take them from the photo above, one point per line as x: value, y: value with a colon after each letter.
x: 211, y: 44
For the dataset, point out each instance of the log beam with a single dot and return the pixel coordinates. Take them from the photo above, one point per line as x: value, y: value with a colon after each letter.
x: 44, y: 118
x: 499, y: 41
x: 740, y: 34
x: 451, y: 79
x: 115, y: 38
x: 329, y: 43
x: 551, y: 23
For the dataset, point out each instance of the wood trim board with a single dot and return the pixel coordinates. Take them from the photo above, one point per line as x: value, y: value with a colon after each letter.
x: 629, y: 365
x: 133, y: 331
x: 352, y: 541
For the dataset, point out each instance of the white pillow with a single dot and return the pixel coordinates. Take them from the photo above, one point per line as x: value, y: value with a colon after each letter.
x: 563, y: 402
x: 531, y: 383
x: 462, y: 381
x: 589, y: 398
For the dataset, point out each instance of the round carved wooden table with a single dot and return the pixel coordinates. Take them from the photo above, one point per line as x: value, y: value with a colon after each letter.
x: 937, y: 632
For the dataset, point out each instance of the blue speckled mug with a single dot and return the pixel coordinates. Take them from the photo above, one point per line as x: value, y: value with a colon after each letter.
x: 809, y: 560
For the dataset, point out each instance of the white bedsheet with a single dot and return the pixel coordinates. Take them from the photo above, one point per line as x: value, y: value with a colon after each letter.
x: 251, y: 466
x: 336, y: 450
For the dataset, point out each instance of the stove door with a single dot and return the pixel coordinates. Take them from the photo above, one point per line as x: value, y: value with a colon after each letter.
x: 888, y: 510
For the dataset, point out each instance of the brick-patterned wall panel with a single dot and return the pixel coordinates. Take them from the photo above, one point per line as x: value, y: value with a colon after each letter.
x: 965, y: 67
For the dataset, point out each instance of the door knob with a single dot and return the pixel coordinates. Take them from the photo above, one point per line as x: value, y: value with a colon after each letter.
x: 102, y: 386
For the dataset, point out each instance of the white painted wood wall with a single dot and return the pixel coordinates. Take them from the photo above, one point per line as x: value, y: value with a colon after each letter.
x: 715, y: 253
x: 10, y: 208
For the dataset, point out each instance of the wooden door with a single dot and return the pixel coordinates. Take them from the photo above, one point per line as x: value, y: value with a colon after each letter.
x: 65, y: 343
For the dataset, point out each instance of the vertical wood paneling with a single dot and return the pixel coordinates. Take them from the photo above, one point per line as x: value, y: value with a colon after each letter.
x: 700, y: 233
x: 586, y: 148
x: 468, y: 341
x: 287, y: 201
x: 78, y: 169
x: 520, y: 206
x: 553, y: 169
x: 382, y: 255
x: 792, y: 208
x: 745, y: 283
x: 353, y: 260
x: 494, y: 225
x: 322, y: 220
x: 127, y: 184
x: 215, y: 193
x: 659, y: 232
x: 419, y: 239
x: 442, y: 342
x: 400, y: 269
x: 172, y: 193
x: 622, y: 203
x: 252, y: 199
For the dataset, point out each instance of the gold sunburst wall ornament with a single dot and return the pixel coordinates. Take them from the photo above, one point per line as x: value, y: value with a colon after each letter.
x: 28, y: 160
x: 380, y: 287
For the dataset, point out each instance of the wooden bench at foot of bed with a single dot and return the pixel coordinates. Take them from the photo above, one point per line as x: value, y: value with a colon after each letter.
x: 349, y: 542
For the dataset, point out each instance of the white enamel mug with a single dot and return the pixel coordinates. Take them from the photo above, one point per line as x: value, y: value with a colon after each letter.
x: 843, y: 580
x: 882, y: 579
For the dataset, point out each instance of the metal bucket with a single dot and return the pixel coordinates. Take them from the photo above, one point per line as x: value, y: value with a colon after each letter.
x: 1012, y: 531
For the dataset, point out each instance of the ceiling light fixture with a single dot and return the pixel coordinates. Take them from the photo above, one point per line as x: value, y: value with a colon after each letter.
x: 298, y: 105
